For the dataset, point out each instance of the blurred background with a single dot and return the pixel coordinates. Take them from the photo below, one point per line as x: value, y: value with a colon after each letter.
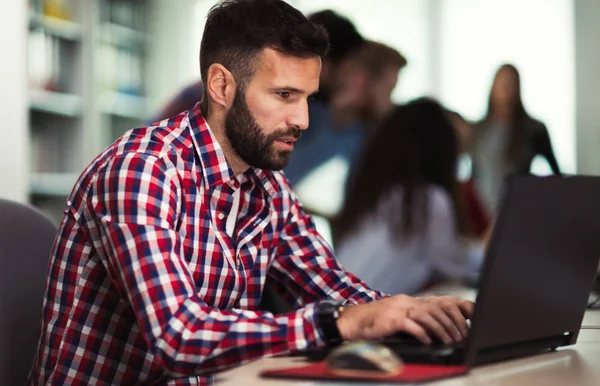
x: 76, y: 74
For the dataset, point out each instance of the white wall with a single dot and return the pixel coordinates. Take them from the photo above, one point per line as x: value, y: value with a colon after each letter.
x: 402, y: 24
x: 455, y: 46
x: 587, y: 53
x: 13, y: 101
x: 537, y: 36
x: 176, y: 30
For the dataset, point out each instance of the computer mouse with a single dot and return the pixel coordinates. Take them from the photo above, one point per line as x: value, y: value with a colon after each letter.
x: 363, y: 359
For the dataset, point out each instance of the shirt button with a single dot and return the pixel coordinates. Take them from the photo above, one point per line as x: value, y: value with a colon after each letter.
x: 221, y: 216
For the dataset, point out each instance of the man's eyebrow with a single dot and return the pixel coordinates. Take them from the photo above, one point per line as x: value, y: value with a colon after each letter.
x: 294, y: 90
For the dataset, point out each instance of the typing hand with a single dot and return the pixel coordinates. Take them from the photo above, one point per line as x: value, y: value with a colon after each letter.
x: 443, y: 317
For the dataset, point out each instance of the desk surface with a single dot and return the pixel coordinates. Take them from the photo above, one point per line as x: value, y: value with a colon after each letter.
x: 574, y: 365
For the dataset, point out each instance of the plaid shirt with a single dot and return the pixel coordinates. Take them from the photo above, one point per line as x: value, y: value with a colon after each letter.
x: 146, y: 286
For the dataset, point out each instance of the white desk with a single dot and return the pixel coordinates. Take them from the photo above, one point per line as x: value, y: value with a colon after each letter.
x: 574, y: 365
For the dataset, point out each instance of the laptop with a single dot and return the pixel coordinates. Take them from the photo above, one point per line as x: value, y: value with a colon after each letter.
x: 537, y: 275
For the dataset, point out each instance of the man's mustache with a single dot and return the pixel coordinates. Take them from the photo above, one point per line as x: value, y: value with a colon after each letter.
x: 291, y: 132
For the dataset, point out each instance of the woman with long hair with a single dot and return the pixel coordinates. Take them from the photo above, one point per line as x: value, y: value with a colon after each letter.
x: 507, y: 139
x: 402, y: 223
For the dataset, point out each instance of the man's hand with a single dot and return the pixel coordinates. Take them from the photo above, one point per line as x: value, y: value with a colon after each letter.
x: 444, y: 317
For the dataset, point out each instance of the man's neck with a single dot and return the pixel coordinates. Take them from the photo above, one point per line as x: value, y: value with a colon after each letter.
x: 218, y: 129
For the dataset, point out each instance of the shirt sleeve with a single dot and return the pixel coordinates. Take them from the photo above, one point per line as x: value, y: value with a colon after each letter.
x: 305, y: 269
x: 135, y: 207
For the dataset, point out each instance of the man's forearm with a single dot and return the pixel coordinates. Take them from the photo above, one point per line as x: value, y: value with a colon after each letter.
x: 200, y: 340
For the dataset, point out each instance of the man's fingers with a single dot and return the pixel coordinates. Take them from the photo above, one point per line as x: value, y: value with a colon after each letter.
x: 466, y: 307
x: 454, y: 311
x: 425, y: 319
x: 443, y: 317
x: 443, y: 314
x: 413, y: 328
x: 457, y: 309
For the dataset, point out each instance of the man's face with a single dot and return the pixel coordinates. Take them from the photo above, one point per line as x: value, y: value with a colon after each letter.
x: 266, y: 120
x: 380, y: 90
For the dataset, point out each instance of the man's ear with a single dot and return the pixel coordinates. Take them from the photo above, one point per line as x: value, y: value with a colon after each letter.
x: 220, y: 86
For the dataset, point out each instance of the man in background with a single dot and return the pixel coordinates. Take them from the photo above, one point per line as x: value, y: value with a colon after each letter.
x: 333, y: 126
x: 359, y: 96
x: 382, y: 65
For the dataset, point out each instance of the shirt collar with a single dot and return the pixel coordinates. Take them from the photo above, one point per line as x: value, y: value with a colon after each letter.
x: 214, y: 164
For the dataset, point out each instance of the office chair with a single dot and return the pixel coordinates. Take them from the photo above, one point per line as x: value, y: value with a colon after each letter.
x: 26, y: 239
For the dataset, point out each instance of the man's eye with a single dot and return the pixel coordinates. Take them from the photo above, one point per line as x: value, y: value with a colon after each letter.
x: 284, y: 94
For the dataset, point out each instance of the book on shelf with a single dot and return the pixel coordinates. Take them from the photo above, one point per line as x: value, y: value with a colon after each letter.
x: 121, y: 71
x: 124, y: 13
x: 58, y: 9
x: 44, y: 61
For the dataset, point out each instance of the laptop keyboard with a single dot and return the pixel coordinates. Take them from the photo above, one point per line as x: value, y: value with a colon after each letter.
x: 412, y: 350
x: 404, y: 339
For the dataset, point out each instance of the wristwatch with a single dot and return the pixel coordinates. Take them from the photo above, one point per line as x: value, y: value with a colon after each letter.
x: 328, y: 312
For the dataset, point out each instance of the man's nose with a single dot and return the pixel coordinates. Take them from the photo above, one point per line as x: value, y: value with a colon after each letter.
x: 299, y: 117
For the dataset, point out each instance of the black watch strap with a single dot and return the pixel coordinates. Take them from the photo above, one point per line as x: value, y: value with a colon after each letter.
x: 328, y: 312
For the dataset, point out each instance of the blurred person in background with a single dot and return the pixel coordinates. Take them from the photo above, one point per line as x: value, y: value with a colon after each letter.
x: 382, y: 65
x: 359, y: 99
x: 333, y: 125
x: 403, y: 222
x: 507, y: 139
x: 478, y: 217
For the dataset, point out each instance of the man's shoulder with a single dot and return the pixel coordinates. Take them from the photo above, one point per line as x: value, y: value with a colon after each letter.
x: 157, y: 139
x: 161, y: 140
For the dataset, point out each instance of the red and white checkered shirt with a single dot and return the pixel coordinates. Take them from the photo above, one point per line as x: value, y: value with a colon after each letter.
x: 146, y: 286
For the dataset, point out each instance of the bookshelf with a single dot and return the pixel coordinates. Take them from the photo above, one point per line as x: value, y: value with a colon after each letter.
x: 86, y: 79
x: 121, y: 40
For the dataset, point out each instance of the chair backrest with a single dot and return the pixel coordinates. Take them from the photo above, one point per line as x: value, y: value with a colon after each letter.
x: 26, y: 239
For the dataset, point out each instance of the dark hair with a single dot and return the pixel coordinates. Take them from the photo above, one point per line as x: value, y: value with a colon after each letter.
x: 414, y: 147
x: 236, y: 31
x: 343, y: 36
x: 455, y: 115
x: 516, y: 144
x: 375, y: 57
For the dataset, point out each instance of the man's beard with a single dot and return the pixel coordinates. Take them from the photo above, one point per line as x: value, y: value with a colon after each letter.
x: 248, y: 141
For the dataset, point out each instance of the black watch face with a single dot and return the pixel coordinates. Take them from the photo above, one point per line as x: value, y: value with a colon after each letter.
x: 330, y: 309
x: 328, y: 313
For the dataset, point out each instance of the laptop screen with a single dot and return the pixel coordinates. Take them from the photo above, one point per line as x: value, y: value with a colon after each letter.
x: 540, y: 265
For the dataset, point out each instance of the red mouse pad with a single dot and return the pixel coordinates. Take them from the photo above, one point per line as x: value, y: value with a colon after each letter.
x: 410, y: 373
